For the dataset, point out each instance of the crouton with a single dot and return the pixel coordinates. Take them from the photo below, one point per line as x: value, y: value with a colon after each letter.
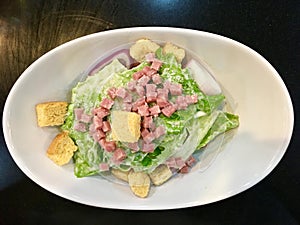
x: 61, y: 149
x: 160, y: 175
x: 139, y: 183
x: 178, y: 52
x: 51, y: 113
x: 125, y: 126
x: 141, y: 48
x: 120, y: 174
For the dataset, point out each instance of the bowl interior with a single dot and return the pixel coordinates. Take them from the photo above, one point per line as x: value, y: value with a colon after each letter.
x: 250, y: 83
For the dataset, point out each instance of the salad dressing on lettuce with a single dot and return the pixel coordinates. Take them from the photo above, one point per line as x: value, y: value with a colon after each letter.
x: 177, y: 119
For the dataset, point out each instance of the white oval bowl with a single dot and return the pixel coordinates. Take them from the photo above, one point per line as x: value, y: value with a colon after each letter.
x: 259, y: 95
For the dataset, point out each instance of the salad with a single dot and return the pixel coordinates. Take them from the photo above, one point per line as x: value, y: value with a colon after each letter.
x: 142, y: 117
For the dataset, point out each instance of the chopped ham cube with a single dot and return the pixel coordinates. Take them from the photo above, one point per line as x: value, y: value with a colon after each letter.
x: 103, y: 167
x: 181, y: 102
x: 143, y: 110
x: 156, y: 64
x: 159, y: 131
x: 150, y: 88
x: 147, y: 122
x: 149, y: 71
x: 144, y: 132
x: 127, y: 106
x: 121, y: 92
x: 140, y: 90
x: 78, y: 113
x: 137, y: 75
x: 128, y: 98
x: 149, y: 57
x: 106, y: 126
x: 162, y: 92
x: 149, y: 137
x: 112, y: 92
x: 148, y: 147
x: 156, y: 79
x: 184, y: 169
x: 109, y: 146
x: 118, y: 156
x: 162, y: 102
x: 143, y: 80
x: 154, y: 110
x: 167, y: 84
x: 78, y: 126
x: 133, y: 146
x: 175, y: 89
x: 101, y: 112
x: 179, y: 162
x: 139, y: 102
x: 151, y: 97
x: 98, y: 122
x: 191, y: 99
x: 190, y: 161
x: 168, y: 110
x: 98, y: 135
x: 131, y: 85
x: 85, y: 118
x: 107, y: 103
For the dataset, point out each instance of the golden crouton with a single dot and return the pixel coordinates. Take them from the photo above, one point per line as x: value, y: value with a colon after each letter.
x: 139, y: 183
x: 120, y: 174
x: 51, y: 113
x: 141, y: 48
x: 178, y: 52
x: 125, y: 126
x: 160, y: 175
x: 61, y: 149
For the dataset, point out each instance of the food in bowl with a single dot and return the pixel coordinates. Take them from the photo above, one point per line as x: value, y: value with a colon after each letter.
x: 141, y: 115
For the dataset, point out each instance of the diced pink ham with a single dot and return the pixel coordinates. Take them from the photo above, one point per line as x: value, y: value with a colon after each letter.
x: 112, y: 92
x: 159, y: 131
x: 98, y: 135
x: 175, y: 89
x: 156, y: 79
x: 106, y: 126
x: 139, y: 102
x: 107, y: 103
x: 92, y: 129
x: 144, y: 132
x: 168, y: 110
x: 190, y: 161
x: 162, y: 92
x: 191, y: 99
x: 127, y: 106
x: 143, y: 80
x: 128, y: 98
x: 149, y: 57
x: 118, y: 156
x: 133, y: 146
x: 181, y: 102
x: 78, y: 113
x: 184, y: 169
x: 143, y: 110
x: 101, y: 112
x: 149, y: 137
x: 156, y: 64
x: 148, y: 147
x: 103, y: 167
x: 109, y: 146
x: 149, y: 71
x: 131, y: 85
x: 171, y: 163
x: 150, y: 88
x: 121, y: 92
x: 154, y: 110
x: 162, y: 102
x: 85, y: 118
x: 167, y: 84
x: 137, y: 75
x: 151, y: 97
x: 179, y: 162
x: 140, y: 90
x: 78, y: 126
x: 98, y: 122
x: 147, y: 121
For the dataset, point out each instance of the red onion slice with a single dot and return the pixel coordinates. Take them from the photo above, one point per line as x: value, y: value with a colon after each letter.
x: 122, y: 55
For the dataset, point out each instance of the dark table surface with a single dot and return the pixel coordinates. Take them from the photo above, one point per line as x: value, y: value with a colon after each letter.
x: 29, y: 28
